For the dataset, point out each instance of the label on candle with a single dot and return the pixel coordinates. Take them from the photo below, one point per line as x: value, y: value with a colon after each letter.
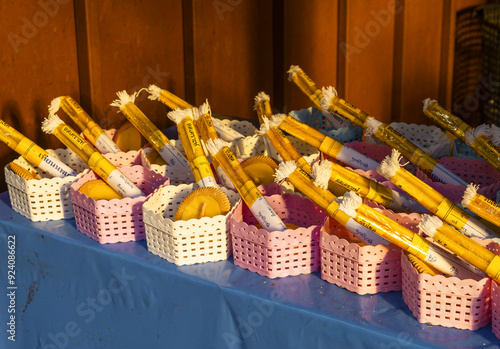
x: 364, y: 234
x: 124, y: 186
x: 225, y: 132
x: 266, y: 216
x: 203, y: 173
x: 100, y: 165
x: 55, y: 167
x: 30, y: 151
x: 105, y: 145
x: 445, y: 176
x: 172, y: 156
x: 450, y: 264
x: 336, y: 120
x: 355, y: 159
x: 224, y: 178
x: 475, y: 228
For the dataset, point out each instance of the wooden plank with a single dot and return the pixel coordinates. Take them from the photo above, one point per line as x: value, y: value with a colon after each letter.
x: 366, y: 57
x: 232, y: 54
x: 421, y: 58
x: 310, y: 42
x: 39, y: 62
x: 147, y: 48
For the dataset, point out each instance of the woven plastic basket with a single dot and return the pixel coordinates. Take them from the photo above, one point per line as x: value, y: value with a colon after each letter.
x: 117, y: 220
x: 47, y: 198
x: 278, y: 253
x: 185, y: 242
x: 362, y: 269
x: 446, y: 301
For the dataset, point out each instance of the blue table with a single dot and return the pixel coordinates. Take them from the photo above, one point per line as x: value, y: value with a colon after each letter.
x: 71, y: 292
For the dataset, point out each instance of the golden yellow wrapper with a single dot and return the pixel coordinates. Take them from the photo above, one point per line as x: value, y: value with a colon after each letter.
x: 307, y: 86
x: 485, y: 208
x: 347, y: 110
x: 447, y: 120
x: 488, y: 150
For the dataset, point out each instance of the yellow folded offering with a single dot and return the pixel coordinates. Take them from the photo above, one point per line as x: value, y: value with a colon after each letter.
x: 92, y: 131
x: 325, y: 144
x: 188, y: 134
x: 481, y: 205
x: 301, y: 180
x: 99, y: 190
x: 155, y: 137
x: 33, y: 153
x: 247, y: 189
x: 96, y: 161
x: 203, y: 202
x: 431, y: 199
x: 462, y: 246
x: 22, y: 172
x: 261, y: 169
x: 406, y: 239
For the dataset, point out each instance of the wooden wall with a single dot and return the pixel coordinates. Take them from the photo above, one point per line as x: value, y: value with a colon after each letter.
x: 384, y: 56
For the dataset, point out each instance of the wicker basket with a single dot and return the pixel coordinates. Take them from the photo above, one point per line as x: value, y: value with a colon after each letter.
x: 185, y: 242
x: 278, y: 253
x: 362, y: 269
x: 117, y: 220
x: 47, y: 198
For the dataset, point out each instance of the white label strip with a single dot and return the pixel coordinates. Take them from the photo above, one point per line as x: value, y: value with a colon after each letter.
x: 451, y: 265
x: 445, y: 176
x: 336, y: 120
x: 106, y: 145
x: 124, y: 186
x: 364, y: 234
x: 266, y: 215
x: 207, y: 182
x: 475, y: 228
x: 355, y: 159
x: 56, y: 167
x: 403, y: 203
x: 172, y: 156
x: 224, y: 179
x: 225, y: 132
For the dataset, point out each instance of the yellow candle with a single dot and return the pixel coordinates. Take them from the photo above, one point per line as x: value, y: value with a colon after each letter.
x: 94, y: 133
x: 481, y: 205
x: 96, y: 161
x: 154, y: 136
x: 33, y: 153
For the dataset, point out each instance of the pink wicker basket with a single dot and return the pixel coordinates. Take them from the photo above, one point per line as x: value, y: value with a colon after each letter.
x: 362, y: 269
x: 278, y: 253
x: 117, y: 220
x: 446, y: 301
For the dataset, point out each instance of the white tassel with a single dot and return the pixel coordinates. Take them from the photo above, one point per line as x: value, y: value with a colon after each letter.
x: 328, y: 94
x: 54, y: 106
x: 469, y: 194
x: 294, y: 69
x: 322, y: 171
x: 276, y: 120
x: 261, y: 96
x: 123, y: 98
x: 215, y: 145
x: 390, y: 165
x: 202, y: 110
x: 349, y: 203
x: 429, y: 224
x: 264, y: 127
x: 154, y: 92
x: 495, y: 134
x: 372, y: 125
x: 472, y: 134
x: 284, y: 170
x: 428, y: 102
x: 177, y: 115
x: 50, y: 124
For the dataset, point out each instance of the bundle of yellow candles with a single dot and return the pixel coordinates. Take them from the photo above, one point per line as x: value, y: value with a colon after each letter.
x: 246, y: 187
x: 155, y: 137
x: 431, y: 199
x: 477, y: 138
x: 410, y: 241
x: 96, y: 161
x: 92, y: 131
x: 384, y: 133
x: 188, y: 134
x: 303, y: 182
x: 33, y: 153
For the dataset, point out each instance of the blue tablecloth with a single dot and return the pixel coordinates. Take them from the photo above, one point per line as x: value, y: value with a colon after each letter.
x: 71, y: 292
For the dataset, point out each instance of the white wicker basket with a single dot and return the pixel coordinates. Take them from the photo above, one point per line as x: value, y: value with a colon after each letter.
x: 185, y: 242
x: 47, y: 198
